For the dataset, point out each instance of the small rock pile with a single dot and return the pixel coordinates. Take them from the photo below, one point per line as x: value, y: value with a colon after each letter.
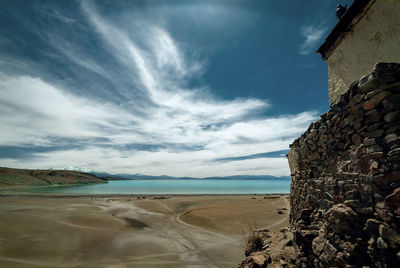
x: 345, y: 192
x: 269, y: 249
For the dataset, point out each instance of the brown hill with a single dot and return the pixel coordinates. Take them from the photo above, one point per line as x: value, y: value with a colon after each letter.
x: 27, y: 177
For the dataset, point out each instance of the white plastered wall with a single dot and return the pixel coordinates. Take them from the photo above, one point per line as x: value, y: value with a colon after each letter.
x: 374, y: 38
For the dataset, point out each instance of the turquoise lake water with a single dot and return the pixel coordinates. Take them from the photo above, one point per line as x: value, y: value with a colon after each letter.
x: 178, y: 186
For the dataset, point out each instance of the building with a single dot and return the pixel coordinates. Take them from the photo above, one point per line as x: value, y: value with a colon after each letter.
x: 345, y: 190
x: 368, y: 33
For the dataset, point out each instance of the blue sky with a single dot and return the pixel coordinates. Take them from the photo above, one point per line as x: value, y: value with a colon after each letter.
x: 182, y: 88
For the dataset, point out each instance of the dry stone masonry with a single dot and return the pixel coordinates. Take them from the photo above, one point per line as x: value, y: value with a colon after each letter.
x: 345, y: 192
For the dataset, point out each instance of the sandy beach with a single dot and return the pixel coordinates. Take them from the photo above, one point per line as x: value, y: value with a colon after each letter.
x: 179, y: 231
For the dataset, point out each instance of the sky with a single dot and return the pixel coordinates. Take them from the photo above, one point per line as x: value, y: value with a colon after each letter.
x: 179, y: 88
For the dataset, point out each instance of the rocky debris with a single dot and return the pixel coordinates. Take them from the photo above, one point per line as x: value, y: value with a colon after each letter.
x: 345, y: 191
x: 257, y: 259
x: 257, y: 241
x: 257, y: 249
x: 275, y: 250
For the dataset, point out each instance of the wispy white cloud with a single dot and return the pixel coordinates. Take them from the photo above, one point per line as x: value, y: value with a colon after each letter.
x: 189, y: 127
x: 33, y: 112
x: 313, y: 36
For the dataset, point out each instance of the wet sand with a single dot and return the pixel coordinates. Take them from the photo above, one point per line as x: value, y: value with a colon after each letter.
x: 181, y: 231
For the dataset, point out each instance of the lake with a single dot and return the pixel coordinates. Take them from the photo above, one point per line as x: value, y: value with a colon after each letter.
x: 177, y: 186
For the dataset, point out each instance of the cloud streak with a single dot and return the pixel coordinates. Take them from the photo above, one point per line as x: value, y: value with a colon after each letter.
x: 312, y: 35
x: 175, y: 129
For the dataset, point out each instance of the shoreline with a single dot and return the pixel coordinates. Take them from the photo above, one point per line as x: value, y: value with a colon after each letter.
x: 160, y: 196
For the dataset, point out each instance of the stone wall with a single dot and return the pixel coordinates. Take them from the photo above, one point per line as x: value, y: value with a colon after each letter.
x: 345, y: 192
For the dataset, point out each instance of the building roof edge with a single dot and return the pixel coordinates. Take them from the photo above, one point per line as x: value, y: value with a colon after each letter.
x: 342, y: 27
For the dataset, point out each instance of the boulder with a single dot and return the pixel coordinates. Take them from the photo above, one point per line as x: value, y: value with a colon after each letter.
x: 389, y: 234
x: 375, y: 100
x: 392, y: 201
x: 257, y: 259
x: 340, y: 218
x: 318, y: 243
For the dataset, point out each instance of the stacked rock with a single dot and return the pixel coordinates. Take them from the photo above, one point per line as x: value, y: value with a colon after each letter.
x: 345, y: 192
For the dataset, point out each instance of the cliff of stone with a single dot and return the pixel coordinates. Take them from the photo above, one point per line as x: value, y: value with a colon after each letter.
x: 345, y: 192
x: 25, y: 177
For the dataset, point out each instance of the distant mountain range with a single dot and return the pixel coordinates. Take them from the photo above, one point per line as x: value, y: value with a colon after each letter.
x: 164, y: 177
x: 126, y: 176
